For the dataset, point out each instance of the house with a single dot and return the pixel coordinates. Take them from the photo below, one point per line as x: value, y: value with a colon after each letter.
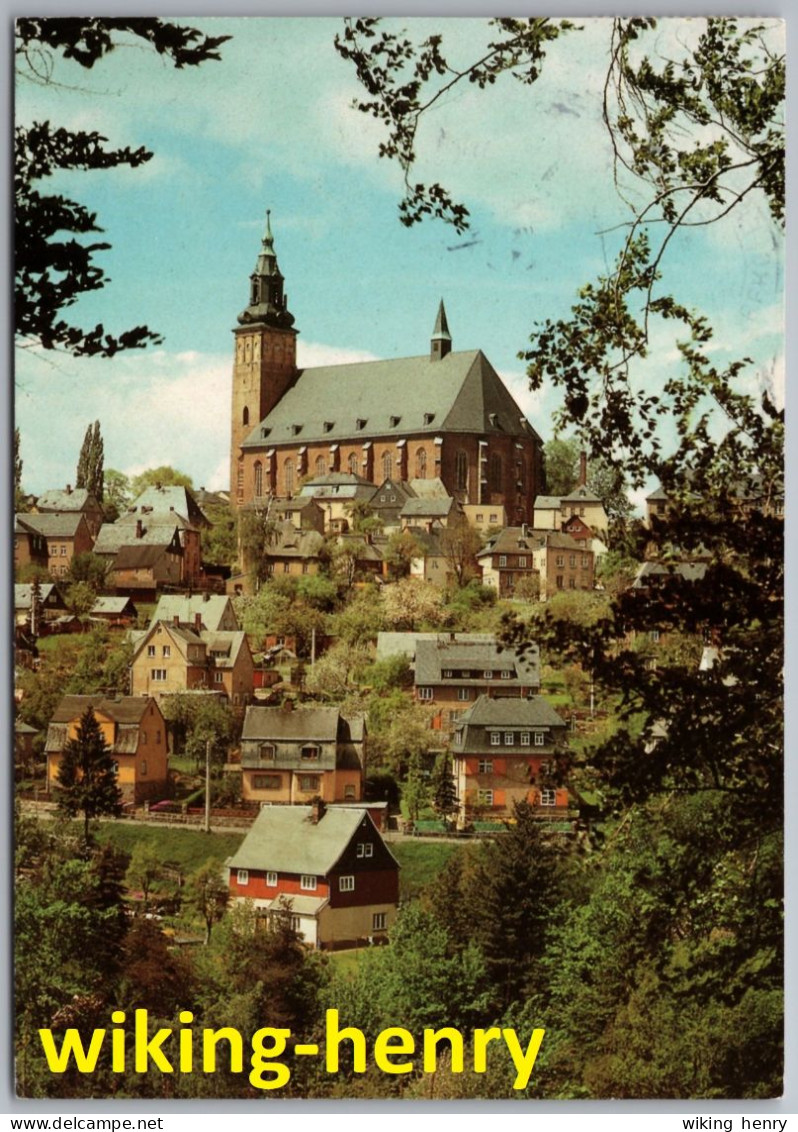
x: 215, y: 610
x: 431, y: 564
x: 336, y: 493
x: 404, y: 644
x: 302, y: 513
x: 30, y: 546
x: 555, y: 562
x: 329, y: 863
x: 175, y: 657
x: 388, y: 500
x: 116, y: 612
x: 587, y: 505
x: 441, y: 413
x: 295, y: 552
x: 584, y: 535
x: 145, y: 570
x: 547, y: 513
x: 502, y: 753
x: 66, y: 534
x: 429, y: 514
x: 77, y: 499
x: 487, y: 520
x: 133, y: 728
x: 450, y: 675
x: 293, y: 755
x: 50, y: 605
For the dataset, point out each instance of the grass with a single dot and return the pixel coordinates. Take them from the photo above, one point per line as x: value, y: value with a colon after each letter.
x: 187, y: 848
x: 421, y: 862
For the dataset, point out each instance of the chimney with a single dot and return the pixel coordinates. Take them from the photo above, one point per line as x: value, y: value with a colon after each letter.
x: 317, y: 810
x: 206, y: 596
x: 176, y: 621
x: 69, y: 489
x: 139, y: 529
x: 582, y: 468
x: 197, y: 622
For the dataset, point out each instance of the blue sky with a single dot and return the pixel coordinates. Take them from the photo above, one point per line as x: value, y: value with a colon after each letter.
x: 271, y: 126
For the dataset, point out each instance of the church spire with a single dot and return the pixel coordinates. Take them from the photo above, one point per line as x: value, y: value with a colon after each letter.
x: 267, y: 300
x: 441, y: 342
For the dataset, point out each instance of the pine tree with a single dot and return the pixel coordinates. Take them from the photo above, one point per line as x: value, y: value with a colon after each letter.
x: 444, y: 795
x: 87, y: 775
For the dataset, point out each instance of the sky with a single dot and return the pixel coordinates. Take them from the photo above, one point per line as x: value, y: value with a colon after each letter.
x: 271, y: 126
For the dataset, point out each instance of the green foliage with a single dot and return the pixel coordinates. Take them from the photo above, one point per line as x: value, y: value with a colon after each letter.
x: 89, y: 472
x: 444, y: 794
x: 90, y: 569
x: 400, y: 550
x: 208, y: 894
x: 361, y: 618
x: 20, y: 503
x: 116, y: 493
x: 53, y: 267
x: 196, y: 720
x: 276, y: 608
x: 385, y: 675
x: 80, y: 598
x: 86, y: 782
x: 256, y: 533
x: 220, y: 541
x: 164, y: 475
x: 144, y: 870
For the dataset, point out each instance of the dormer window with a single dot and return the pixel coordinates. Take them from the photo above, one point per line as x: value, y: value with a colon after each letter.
x: 395, y: 421
x: 429, y: 418
x: 329, y: 426
x: 264, y: 432
x: 296, y: 429
x: 310, y: 753
x: 361, y: 423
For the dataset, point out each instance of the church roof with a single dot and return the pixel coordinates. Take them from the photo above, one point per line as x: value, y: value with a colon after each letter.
x: 362, y: 400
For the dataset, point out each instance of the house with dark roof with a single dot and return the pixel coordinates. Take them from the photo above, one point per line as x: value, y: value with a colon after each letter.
x: 328, y: 865
x: 504, y: 752
x: 303, y: 513
x: 116, y: 612
x: 443, y: 413
x: 30, y: 546
x: 50, y: 605
x: 175, y: 657
x: 133, y: 728
x: 429, y: 514
x: 72, y: 499
x: 295, y: 552
x: 144, y: 570
x: 294, y: 755
x: 65, y: 533
x: 450, y: 675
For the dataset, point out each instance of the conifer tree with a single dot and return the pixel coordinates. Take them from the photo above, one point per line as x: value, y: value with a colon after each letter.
x: 444, y: 795
x: 82, y: 472
x: 87, y: 775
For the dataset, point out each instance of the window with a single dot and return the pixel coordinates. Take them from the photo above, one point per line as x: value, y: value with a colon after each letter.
x: 352, y: 463
x: 502, y: 559
x: 464, y: 693
x: 166, y: 650
x: 509, y: 738
x: 267, y: 781
x: 271, y: 880
x: 387, y: 465
x: 143, y: 766
x: 144, y: 738
x: 243, y: 876
x: 379, y: 921
x: 461, y: 471
x: 421, y: 464
x: 321, y: 466
x: 480, y: 518
x: 158, y: 673
x: 485, y: 797
x: 448, y: 673
x: 346, y: 884
x: 218, y: 677
x: 365, y: 849
x: 540, y: 738
x: 150, y: 650
x: 507, y: 674
x: 63, y: 551
x: 572, y: 560
x: 560, y: 561
x: 494, y: 518
x: 522, y: 562
x: 310, y: 754
x: 654, y: 635
x: 307, y: 883
x: 488, y: 674
x: 559, y: 581
x: 350, y: 793
x: 572, y: 583
x: 268, y: 751
x: 258, y: 478
x: 309, y: 782
x: 548, y: 797
x: 486, y: 766
x: 425, y: 693
x: 288, y: 476
x: 495, y: 739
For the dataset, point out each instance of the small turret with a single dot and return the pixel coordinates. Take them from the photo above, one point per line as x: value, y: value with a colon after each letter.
x: 267, y: 300
x: 441, y: 342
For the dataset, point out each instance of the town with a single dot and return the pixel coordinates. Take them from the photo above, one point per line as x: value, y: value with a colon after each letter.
x: 440, y: 711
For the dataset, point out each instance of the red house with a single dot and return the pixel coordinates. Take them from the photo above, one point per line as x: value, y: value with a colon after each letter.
x: 331, y: 863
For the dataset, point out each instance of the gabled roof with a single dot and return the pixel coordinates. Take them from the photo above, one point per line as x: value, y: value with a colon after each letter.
x: 284, y: 839
x: 24, y: 590
x: 55, y: 524
x: 520, y: 540
x: 458, y: 393
x: 168, y: 498
x: 112, y: 536
x: 435, y: 507
x: 224, y: 648
x: 433, y: 488
x: 111, y: 605
x: 511, y: 712
x: 211, y: 608
x: 76, y: 499
x: 547, y: 503
x: 122, y: 709
x: 320, y: 723
x: 581, y: 494
x: 296, y: 544
x: 434, y: 657
x: 137, y: 557
x: 404, y: 644
x: 683, y: 571
x: 337, y: 485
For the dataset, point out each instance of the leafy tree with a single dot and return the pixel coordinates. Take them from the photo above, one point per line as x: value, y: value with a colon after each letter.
x: 116, y: 493
x: 256, y: 534
x: 460, y: 543
x: 416, y: 792
x: 144, y: 869
x: 336, y: 673
x: 80, y: 597
x: 89, y: 568
x: 208, y: 894
x: 53, y: 266
x: 400, y: 550
x: 164, y: 475
x: 444, y: 794
x: 412, y: 604
x: 86, y: 778
x: 361, y: 618
x: 19, y: 495
x: 562, y: 465
x: 195, y: 720
x: 89, y: 473
x: 220, y: 540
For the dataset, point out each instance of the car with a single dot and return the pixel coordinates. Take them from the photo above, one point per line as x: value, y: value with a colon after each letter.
x: 165, y: 807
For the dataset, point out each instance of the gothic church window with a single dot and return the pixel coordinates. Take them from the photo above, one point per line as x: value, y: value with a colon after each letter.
x: 245, y: 416
x: 352, y: 463
x: 461, y: 471
x: 421, y: 464
x: 321, y: 466
x: 387, y: 465
x: 258, y: 478
x: 288, y: 476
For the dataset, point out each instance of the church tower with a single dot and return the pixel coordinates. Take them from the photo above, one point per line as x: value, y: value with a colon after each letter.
x: 264, y: 365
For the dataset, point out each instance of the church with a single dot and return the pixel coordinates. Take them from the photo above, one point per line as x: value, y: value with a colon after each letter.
x: 445, y: 413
